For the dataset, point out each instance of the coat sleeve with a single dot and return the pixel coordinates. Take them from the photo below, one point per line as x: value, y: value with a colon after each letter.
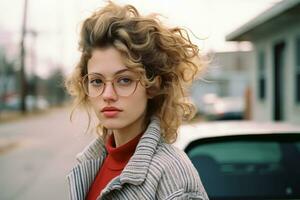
x: 180, y: 180
x: 183, y: 195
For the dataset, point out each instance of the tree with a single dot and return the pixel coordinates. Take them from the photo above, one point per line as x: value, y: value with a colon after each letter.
x: 55, y: 87
x: 8, y: 78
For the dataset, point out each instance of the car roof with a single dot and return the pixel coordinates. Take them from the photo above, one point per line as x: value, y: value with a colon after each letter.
x: 190, y: 132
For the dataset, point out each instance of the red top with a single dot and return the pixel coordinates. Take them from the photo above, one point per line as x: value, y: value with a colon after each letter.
x: 113, y: 164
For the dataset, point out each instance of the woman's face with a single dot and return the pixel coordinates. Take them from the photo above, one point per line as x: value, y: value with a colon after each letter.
x: 113, y: 109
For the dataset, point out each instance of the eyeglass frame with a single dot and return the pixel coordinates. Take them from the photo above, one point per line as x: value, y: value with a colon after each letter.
x: 105, y: 81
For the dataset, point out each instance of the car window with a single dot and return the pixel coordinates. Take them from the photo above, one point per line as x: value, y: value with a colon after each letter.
x: 298, y: 146
x: 242, y: 169
x: 257, y: 152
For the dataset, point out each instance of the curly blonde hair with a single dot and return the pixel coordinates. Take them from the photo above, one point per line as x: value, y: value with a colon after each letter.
x: 166, y: 57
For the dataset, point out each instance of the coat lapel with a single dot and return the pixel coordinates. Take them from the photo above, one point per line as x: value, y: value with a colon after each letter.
x: 83, y: 174
x: 137, y: 168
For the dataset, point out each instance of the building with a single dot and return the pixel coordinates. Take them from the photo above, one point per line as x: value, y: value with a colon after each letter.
x: 275, y: 82
x: 224, y: 82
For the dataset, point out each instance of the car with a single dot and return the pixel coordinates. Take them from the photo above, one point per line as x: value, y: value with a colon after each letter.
x: 213, y: 107
x: 32, y: 103
x: 244, y: 159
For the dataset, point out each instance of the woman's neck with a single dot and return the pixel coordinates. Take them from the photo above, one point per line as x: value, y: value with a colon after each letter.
x: 124, y: 135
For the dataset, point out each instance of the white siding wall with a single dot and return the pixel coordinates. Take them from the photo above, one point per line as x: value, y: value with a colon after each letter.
x: 263, y: 110
x: 293, y: 112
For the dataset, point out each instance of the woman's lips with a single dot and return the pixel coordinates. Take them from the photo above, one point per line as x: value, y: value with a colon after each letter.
x: 110, y: 113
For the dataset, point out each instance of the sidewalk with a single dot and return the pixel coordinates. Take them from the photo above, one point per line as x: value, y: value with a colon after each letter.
x: 9, y: 116
x: 38, y: 151
x: 6, y: 145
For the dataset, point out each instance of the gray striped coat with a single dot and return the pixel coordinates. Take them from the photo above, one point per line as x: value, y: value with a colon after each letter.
x: 156, y: 171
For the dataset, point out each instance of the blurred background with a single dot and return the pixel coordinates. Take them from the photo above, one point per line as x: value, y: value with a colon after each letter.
x: 253, y: 74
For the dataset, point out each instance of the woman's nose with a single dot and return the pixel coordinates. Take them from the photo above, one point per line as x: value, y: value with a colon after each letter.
x: 109, y: 92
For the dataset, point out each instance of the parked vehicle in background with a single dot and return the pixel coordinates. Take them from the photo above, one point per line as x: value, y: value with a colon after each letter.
x: 32, y: 103
x: 241, y: 160
x: 222, y: 108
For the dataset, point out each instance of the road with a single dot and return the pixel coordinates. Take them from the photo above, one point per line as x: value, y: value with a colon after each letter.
x: 36, y: 154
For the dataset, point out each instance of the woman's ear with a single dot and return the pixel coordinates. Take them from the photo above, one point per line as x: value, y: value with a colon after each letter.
x: 153, y: 90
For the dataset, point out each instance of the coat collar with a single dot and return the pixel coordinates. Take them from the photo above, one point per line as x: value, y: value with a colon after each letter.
x: 136, y: 170
x: 95, y: 150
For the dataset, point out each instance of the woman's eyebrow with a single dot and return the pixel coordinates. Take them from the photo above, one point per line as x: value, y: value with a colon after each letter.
x: 121, y: 71
x: 116, y: 73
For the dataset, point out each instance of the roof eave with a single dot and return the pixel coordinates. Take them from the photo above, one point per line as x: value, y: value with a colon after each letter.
x: 242, y: 33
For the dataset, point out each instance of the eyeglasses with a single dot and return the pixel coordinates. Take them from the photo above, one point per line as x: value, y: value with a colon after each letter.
x: 124, y: 84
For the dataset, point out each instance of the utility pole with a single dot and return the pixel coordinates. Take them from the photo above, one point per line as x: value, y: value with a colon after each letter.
x: 23, y: 55
x: 34, y: 80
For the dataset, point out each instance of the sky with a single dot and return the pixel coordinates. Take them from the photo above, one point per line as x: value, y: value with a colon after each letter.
x: 57, y: 24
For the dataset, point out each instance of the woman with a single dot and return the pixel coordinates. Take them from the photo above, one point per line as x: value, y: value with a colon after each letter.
x: 133, y: 73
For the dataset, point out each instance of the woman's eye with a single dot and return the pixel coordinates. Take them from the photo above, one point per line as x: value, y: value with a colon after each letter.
x: 125, y: 80
x: 96, y: 82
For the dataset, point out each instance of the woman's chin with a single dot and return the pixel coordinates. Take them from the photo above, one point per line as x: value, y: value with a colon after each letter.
x: 112, y: 125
